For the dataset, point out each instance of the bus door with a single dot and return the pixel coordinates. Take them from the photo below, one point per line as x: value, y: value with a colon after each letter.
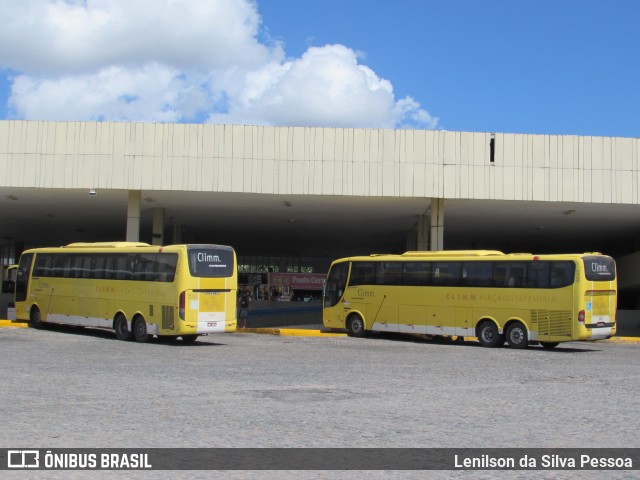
x: 22, y: 277
x: 333, y: 310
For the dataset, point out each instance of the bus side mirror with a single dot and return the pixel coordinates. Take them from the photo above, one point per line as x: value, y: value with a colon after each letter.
x: 8, y: 286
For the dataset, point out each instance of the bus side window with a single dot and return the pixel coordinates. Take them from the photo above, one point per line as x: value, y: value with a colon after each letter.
x: 82, y: 266
x: 389, y: 273
x: 166, y: 267
x: 124, y: 266
x: 447, y: 273
x: 99, y: 267
x: 517, y: 275
x: 538, y: 275
x: 362, y: 273
x: 110, y: 267
x: 144, y: 268
x: 499, y: 275
x: 476, y: 274
x: 561, y: 274
x: 42, y: 267
x: 61, y: 266
x: 416, y: 273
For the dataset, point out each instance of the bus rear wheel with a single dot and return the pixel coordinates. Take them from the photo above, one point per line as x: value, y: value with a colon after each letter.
x: 189, y: 338
x: 355, y: 326
x: 140, y: 330
x: 121, y: 328
x: 517, y: 335
x: 488, y: 335
x: 35, y: 319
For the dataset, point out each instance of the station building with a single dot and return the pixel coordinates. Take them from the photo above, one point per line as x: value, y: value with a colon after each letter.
x: 292, y: 199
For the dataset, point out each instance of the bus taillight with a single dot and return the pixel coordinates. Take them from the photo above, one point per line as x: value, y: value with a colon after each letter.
x: 181, y: 306
x: 581, y: 316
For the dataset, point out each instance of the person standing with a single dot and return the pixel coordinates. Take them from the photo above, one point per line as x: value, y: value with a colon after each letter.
x: 244, y: 305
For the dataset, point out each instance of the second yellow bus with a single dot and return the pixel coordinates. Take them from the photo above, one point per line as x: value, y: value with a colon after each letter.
x: 496, y: 297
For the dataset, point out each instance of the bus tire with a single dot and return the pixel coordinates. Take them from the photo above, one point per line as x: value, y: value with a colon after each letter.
x: 140, y: 330
x: 488, y: 334
x: 35, y: 318
x: 355, y: 326
x: 517, y: 336
x: 549, y: 345
x: 189, y: 338
x: 121, y: 328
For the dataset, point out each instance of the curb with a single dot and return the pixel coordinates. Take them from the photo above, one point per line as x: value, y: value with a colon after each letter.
x: 623, y: 340
x: 9, y: 323
x: 290, y: 332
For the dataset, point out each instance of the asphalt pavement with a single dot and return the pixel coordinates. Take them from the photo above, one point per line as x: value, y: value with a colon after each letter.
x: 74, y: 387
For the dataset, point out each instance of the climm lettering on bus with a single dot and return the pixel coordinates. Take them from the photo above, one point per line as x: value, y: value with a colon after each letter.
x: 496, y: 297
x: 599, y: 268
x: 207, y: 257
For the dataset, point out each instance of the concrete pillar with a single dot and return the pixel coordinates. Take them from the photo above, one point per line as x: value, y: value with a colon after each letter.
x: 158, y: 226
x: 133, y: 216
x: 437, y: 224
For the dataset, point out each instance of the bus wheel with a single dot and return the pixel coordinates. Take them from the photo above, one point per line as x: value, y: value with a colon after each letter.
x: 189, y: 338
x: 140, y: 330
x: 120, y: 326
x: 488, y: 335
x: 517, y: 336
x: 35, y: 319
x: 549, y: 345
x: 355, y: 326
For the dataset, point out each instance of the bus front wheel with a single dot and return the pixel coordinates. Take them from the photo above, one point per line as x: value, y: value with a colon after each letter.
x: 355, y: 326
x: 35, y: 319
x: 489, y: 335
x: 121, y: 328
x: 140, y: 330
x: 517, y: 335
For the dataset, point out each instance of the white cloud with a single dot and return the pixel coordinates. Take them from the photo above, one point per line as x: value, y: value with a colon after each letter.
x: 326, y: 87
x: 167, y: 60
x: 153, y: 93
x: 60, y: 37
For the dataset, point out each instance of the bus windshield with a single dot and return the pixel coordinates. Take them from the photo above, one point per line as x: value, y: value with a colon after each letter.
x: 211, y: 262
x: 336, y: 283
x: 599, y: 269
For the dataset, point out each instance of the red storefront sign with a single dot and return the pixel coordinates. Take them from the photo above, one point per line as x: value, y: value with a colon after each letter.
x: 298, y: 281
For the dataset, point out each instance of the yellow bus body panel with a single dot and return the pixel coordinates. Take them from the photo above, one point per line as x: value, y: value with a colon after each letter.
x: 210, y: 303
x: 549, y: 314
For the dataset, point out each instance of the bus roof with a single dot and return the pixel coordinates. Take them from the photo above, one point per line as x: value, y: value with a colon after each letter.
x: 452, y: 253
x: 463, y: 255
x: 106, y: 245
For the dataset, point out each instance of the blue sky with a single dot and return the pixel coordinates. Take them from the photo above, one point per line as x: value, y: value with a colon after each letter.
x: 544, y: 67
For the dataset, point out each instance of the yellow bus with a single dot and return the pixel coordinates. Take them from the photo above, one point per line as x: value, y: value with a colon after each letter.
x: 496, y: 297
x: 136, y: 289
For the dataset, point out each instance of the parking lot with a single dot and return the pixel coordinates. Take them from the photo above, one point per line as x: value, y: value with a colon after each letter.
x: 65, y: 387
